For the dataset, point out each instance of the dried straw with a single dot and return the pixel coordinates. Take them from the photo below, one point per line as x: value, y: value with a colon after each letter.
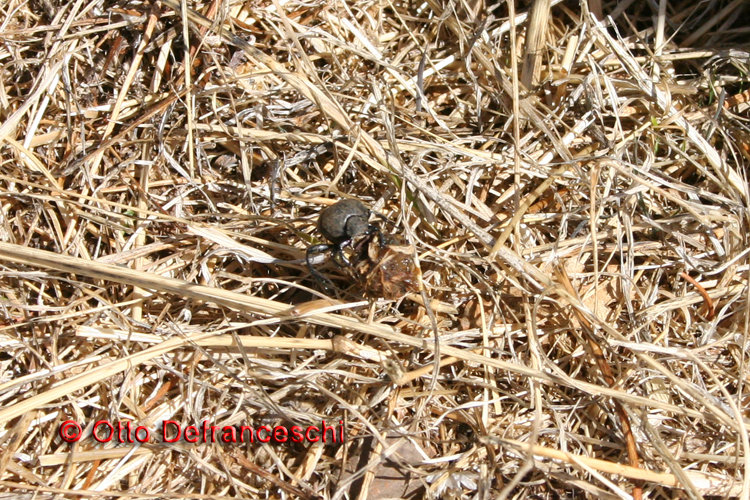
x: 575, y: 188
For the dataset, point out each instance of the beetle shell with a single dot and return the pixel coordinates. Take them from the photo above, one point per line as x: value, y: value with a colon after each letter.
x: 343, y: 221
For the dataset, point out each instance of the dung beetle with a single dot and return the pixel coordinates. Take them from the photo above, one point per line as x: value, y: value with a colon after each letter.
x: 383, y: 265
x: 339, y: 224
x: 344, y: 220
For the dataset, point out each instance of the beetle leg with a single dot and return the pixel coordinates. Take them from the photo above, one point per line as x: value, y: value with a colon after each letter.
x: 338, y: 255
x: 384, y: 219
x: 316, y: 249
x: 377, y: 230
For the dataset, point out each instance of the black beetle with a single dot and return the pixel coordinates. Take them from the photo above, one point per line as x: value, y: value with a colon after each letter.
x: 340, y: 223
x: 344, y: 220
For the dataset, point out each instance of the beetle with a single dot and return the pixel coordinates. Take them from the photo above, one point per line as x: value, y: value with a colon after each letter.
x: 381, y: 263
x: 340, y: 224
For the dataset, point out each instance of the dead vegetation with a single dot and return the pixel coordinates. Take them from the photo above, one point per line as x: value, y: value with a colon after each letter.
x: 578, y: 212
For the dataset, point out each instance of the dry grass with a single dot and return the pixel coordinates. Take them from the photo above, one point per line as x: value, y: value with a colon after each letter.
x: 579, y: 214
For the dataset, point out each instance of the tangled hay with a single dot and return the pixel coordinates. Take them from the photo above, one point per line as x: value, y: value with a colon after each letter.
x: 573, y: 191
